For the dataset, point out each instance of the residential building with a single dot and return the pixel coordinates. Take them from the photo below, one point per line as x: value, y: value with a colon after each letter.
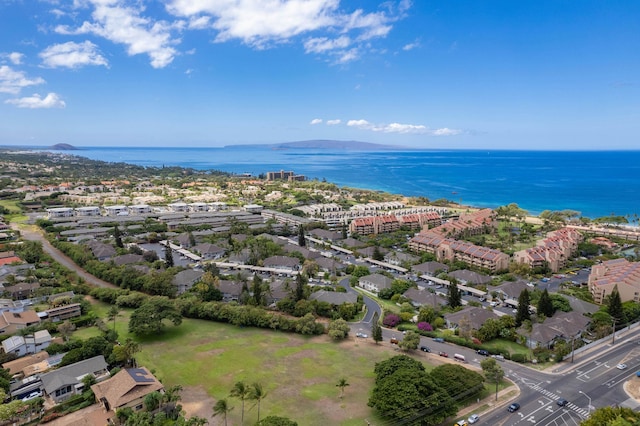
x: 209, y: 251
x: 282, y: 262
x: 10, y: 322
x: 184, y: 280
x: 63, y: 383
x: 553, y: 252
x: 9, y: 257
x: 64, y: 312
x: 17, y: 365
x: 616, y: 273
x: 59, y: 212
x: 88, y: 211
x: 334, y: 297
x: 563, y: 325
x: 20, y: 291
x: 475, y: 316
x: 118, y: 210
x: 430, y: 268
x: 127, y: 389
x: 375, y: 282
x: 466, y: 277
x: 29, y: 344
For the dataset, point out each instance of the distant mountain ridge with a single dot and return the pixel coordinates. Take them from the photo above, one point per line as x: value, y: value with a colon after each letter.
x: 330, y: 144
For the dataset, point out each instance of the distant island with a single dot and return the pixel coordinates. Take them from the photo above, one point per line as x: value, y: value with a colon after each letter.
x: 63, y: 147
x: 330, y: 144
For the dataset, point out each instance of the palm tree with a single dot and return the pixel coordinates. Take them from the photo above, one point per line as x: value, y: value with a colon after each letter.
x: 342, y: 383
x: 257, y: 394
x: 112, y: 314
x: 222, y: 408
x: 241, y: 391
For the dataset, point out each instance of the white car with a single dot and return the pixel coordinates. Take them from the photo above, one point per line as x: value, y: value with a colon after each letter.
x: 473, y: 418
x: 621, y: 366
x: 363, y: 335
x: 32, y: 395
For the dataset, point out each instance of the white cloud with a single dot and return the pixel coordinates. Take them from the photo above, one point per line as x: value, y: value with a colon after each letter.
x: 411, y: 46
x: 333, y: 122
x: 316, y: 121
x: 260, y: 23
x: 52, y: 100
x: 401, y: 128
x: 12, y: 81
x: 15, y: 58
x: 72, y: 55
x: 124, y: 25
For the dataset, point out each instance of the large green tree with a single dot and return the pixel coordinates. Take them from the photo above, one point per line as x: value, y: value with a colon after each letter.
x: 410, y: 341
x: 459, y: 382
x: 455, y: 297
x: 492, y: 371
x: 614, y: 306
x: 149, y: 317
x: 523, y: 307
x: 613, y: 416
x: 545, y: 305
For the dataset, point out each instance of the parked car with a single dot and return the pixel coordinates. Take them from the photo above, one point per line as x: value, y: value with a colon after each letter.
x: 473, y: 418
x: 637, y: 373
x: 513, y: 407
x: 438, y: 339
x: 562, y: 402
x: 621, y: 366
x: 362, y: 335
x: 444, y: 354
x: 32, y: 395
x: 425, y: 349
x: 393, y: 341
x: 462, y: 422
x: 482, y: 352
x: 483, y: 299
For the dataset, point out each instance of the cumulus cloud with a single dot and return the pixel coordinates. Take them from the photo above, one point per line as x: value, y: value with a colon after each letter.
x: 333, y: 122
x: 122, y: 24
x: 401, y: 128
x: 12, y: 81
x: 261, y: 24
x: 72, y: 55
x: 15, y: 58
x: 52, y: 100
x: 411, y: 46
x: 316, y: 121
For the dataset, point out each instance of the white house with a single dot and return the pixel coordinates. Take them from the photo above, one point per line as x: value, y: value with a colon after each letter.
x: 30, y: 344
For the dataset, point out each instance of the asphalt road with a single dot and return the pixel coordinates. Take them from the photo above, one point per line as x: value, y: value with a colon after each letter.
x: 62, y: 258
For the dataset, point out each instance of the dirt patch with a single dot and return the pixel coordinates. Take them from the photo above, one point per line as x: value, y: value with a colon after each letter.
x: 196, y: 402
x: 632, y: 387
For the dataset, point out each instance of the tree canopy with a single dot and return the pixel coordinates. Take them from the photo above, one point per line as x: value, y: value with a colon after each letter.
x: 148, y: 318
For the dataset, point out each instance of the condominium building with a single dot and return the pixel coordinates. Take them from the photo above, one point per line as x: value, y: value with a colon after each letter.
x: 555, y: 250
x: 616, y: 273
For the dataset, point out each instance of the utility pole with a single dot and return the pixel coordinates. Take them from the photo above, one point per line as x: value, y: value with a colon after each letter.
x: 572, y: 351
x: 613, y: 335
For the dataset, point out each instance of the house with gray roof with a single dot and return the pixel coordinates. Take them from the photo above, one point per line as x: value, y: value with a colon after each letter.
x: 184, y: 280
x: 29, y: 344
x: 466, y: 277
x: 374, y: 282
x: 563, y: 325
x: 398, y: 258
x: 278, y: 290
x: 324, y: 234
x: 475, y: 315
x: 63, y: 383
x: 423, y: 297
x: 334, y: 297
x: 511, y: 289
x: 209, y: 251
x: 230, y: 290
x: 100, y: 250
x: 282, y: 262
x: 329, y: 265
x: 128, y: 259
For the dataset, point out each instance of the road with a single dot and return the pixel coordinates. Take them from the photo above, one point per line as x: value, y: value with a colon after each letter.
x: 62, y: 258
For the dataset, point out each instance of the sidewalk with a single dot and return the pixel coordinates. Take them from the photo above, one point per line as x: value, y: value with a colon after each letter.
x: 489, y: 403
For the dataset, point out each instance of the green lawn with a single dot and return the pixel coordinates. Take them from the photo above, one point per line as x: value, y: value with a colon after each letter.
x: 299, y: 373
x: 504, y: 345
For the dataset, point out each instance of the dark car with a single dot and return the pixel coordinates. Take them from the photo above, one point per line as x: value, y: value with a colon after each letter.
x: 562, y: 402
x: 444, y: 354
x: 393, y: 341
x: 513, y: 407
x: 425, y: 349
x: 438, y: 339
x: 482, y: 352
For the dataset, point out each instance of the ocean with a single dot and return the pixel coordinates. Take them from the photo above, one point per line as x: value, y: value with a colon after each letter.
x: 595, y: 183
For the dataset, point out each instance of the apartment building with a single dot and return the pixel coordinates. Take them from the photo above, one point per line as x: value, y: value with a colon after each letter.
x: 555, y: 250
x: 614, y: 273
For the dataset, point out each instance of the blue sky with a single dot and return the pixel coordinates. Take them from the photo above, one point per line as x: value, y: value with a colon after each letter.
x: 559, y: 74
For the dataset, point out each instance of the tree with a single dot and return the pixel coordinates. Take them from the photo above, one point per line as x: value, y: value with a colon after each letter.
x: 545, y: 305
x: 523, y: 308
x: 257, y: 394
x: 492, y: 371
x: 168, y: 255
x: 299, y: 290
x: 222, y: 408
x: 376, y: 330
x: 455, y: 297
x: 342, y: 383
x: 257, y: 290
x: 65, y: 330
x: 377, y: 254
x: 148, y: 318
x: 344, y: 231
x: 112, y: 314
x: 410, y: 341
x: 457, y: 380
x: 241, y: 391
x: 117, y: 237
x: 614, y: 306
x: 613, y: 416
x: 338, y: 329
x: 152, y: 401
x: 301, y: 240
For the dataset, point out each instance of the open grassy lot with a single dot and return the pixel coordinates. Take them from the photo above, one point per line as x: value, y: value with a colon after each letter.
x: 504, y: 345
x: 298, y: 373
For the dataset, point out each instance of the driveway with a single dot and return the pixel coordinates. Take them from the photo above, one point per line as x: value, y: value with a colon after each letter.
x: 60, y: 257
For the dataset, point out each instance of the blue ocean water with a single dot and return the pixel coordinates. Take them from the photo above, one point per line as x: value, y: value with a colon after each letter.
x: 595, y: 183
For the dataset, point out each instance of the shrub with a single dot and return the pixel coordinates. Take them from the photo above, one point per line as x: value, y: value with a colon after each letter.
x: 521, y: 358
x: 391, y: 320
x: 424, y: 326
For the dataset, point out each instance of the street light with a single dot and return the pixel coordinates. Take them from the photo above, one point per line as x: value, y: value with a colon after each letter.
x: 589, y: 407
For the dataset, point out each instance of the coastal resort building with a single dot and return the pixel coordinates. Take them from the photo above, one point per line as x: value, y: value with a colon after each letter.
x: 282, y: 175
x: 616, y: 273
x: 552, y: 252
